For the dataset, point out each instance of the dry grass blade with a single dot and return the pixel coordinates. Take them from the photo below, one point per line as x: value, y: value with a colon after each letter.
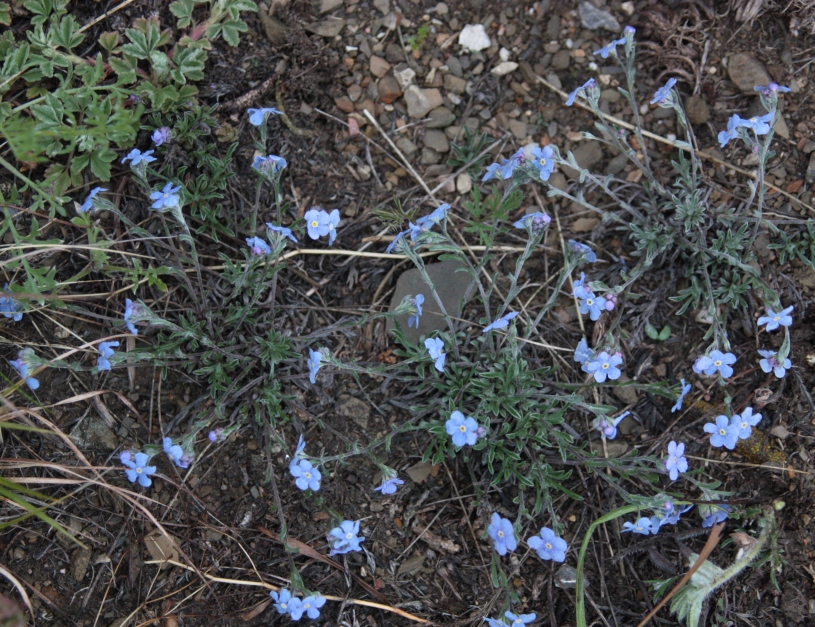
x: 16, y: 583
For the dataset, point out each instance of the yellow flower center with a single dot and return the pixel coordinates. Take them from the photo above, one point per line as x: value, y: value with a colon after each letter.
x: 744, y: 425
x: 462, y: 428
x: 777, y: 318
x: 315, y: 224
x: 349, y: 535
x: 548, y: 545
x: 717, y: 363
x: 138, y: 470
x: 754, y: 120
x: 307, y: 475
x: 500, y: 534
x: 722, y: 431
x: 543, y: 161
x: 605, y: 366
x: 589, y: 301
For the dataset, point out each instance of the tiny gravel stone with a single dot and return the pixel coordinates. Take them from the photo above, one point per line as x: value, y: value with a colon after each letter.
x: 551, y: 48
x: 587, y: 154
x: 747, y: 72
x: 442, y: 8
x: 518, y: 128
x: 440, y: 117
x: 329, y: 5
x: 383, y: 6
x: 554, y: 80
x: 327, y: 28
x: 476, y: 71
x: 405, y: 78
x: 344, y: 104
x: 810, y: 173
x: 436, y: 140
x: 355, y: 92
x: 593, y: 18
x: 464, y: 183
x: 454, y: 65
x: 553, y: 28
x: 394, y: 53
x: 417, y: 101
x: 389, y: 89
x: 474, y: 37
x: 379, y: 67
x: 558, y: 181
x: 697, y: 109
x: 454, y: 83
x: 429, y: 156
x: 561, y: 60
x: 504, y: 68
x: 80, y: 562
x: 407, y: 147
x: 616, y: 165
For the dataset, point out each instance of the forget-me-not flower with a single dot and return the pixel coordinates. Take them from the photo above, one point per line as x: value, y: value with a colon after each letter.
x: 258, y: 246
x: 105, y: 352
x: 543, y: 161
x: 717, y: 361
x: 589, y: 84
x: 682, y: 394
x: 519, y: 621
x: 610, y: 48
x: 21, y: 366
x: 166, y: 198
x: 316, y: 222
x: 256, y: 116
x: 502, y: 322
x: 216, y: 435
x: 608, y: 426
x: 8, y: 306
x: 770, y: 89
x: 269, y: 165
x: 345, y: 538
x: 670, y: 516
x: 583, y: 354
x: 136, y: 157
x: 760, y: 124
x: 548, y: 546
x: 745, y: 422
x: 314, y: 359
x: 492, y: 171
x: 306, y: 476
x: 718, y: 513
x: 435, y: 347
x: 771, y: 363
x: 676, y: 462
x: 283, y: 230
x: 310, y: 606
x: 643, y: 526
x: 774, y: 320
x: 331, y: 222
x: 175, y: 453
x: 592, y: 305
x: 722, y: 433
x: 299, y: 450
x: 502, y: 533
x: 138, y: 470
x: 604, y: 366
x: 663, y: 92
x: 462, y: 430
x: 88, y: 204
x: 732, y: 131
x: 283, y: 600
x: 161, y: 135
x: 583, y: 250
x: 434, y: 217
x: 417, y: 301
x: 129, y: 312
x: 533, y: 221
x: 389, y: 485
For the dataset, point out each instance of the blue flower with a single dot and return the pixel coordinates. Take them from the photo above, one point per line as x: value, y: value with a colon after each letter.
x: 166, y: 198
x: 129, y: 312
x: 492, y: 171
x: 105, y: 351
x: 717, y: 515
x: 682, y: 394
x: 389, y: 485
x: 284, y: 231
x: 138, y: 470
x: 745, y: 422
x: 216, y: 435
x: 306, y: 476
x: 331, y: 222
x: 663, y: 92
x: 723, y: 433
x: 732, y: 131
x: 502, y: 322
x: 435, y: 347
x: 88, y: 204
x: 771, y: 89
x: 592, y: 305
x: 269, y: 165
x: 21, y: 365
x: 298, y: 451
x: 314, y: 359
x: 610, y: 48
x: 506, y: 167
x: 589, y: 84
x: 8, y: 306
x: 176, y: 453
x: 543, y: 161
x: 310, y: 605
x: 462, y: 430
x: 548, y: 546
x: 161, y: 135
x: 136, y: 157
x: 396, y: 239
x: 583, y: 354
x: 583, y: 250
x: 519, y: 621
x: 533, y: 221
x: 771, y: 363
x: 717, y: 361
x: 345, y: 538
x: 676, y: 461
x: 759, y: 124
x: 643, y: 526
x: 284, y: 601
x: 579, y: 287
x: 258, y: 246
x: 605, y: 366
x: 316, y: 222
x: 502, y: 533
x: 669, y: 515
x: 774, y: 320
x: 608, y: 426
x: 435, y: 217
x: 415, y: 317
x: 256, y: 116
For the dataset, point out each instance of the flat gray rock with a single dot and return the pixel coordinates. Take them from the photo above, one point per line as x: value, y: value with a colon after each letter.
x: 451, y: 287
x: 593, y: 18
x: 330, y: 27
x: 747, y: 72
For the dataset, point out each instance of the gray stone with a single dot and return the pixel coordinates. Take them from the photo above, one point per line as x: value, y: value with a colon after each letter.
x: 616, y: 165
x: 587, y: 154
x: 436, y: 140
x: 407, y: 147
x: 810, y: 173
x: 554, y: 80
x: 417, y: 101
x: 454, y: 65
x: 429, y: 156
x: 781, y: 128
x: 697, y: 109
x: 441, y: 117
x: 558, y: 181
x: 329, y: 5
x: 464, y: 183
x: 330, y: 27
x: 93, y: 432
x: 610, y: 95
x: 405, y: 77
x: 747, y: 72
x: 394, y: 53
x: 451, y: 286
x: 442, y: 8
x: 518, y: 128
x: 663, y: 113
x: 561, y: 60
x: 454, y: 83
x: 383, y: 6
x: 553, y: 28
x: 379, y: 67
x: 80, y: 562
x: 355, y: 409
x: 593, y: 18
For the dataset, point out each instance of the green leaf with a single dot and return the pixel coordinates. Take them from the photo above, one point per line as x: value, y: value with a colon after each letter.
x: 67, y: 34
x: 665, y: 333
x: 651, y: 332
x: 100, y: 163
x: 183, y: 9
x: 109, y: 40
x: 189, y: 65
x: 5, y: 14
x: 125, y: 69
x: 232, y: 30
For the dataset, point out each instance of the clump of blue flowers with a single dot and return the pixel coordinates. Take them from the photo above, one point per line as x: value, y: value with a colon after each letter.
x: 320, y: 223
x: 8, y: 306
x: 105, y: 353
x: 548, y: 545
x: 23, y: 364
x: 715, y: 362
x: 435, y: 348
x: 345, y: 538
x: 502, y: 534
